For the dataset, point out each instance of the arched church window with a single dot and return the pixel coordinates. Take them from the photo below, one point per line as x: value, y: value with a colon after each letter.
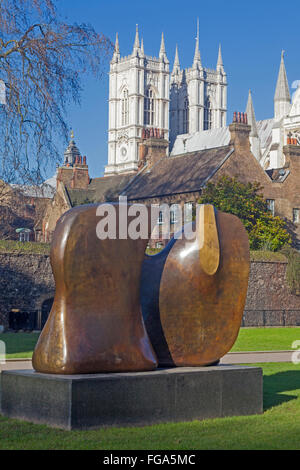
x: 125, y: 108
x: 207, y: 114
x: 186, y: 117
x: 149, y: 116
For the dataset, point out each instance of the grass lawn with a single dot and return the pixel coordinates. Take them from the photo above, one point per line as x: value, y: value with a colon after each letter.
x: 266, y: 339
x: 11, y: 246
x: 21, y: 345
x: 277, y: 428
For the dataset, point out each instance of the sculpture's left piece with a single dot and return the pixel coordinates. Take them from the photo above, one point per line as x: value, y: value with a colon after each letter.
x: 95, y: 324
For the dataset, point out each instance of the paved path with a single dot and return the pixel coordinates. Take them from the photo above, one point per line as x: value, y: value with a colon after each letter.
x: 13, y: 365
x: 230, y: 358
x: 257, y: 356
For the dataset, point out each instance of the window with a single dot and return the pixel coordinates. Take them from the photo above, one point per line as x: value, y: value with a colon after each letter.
x: 207, y: 114
x: 149, y: 108
x: 296, y: 216
x: 223, y: 121
x: 160, y: 218
x: 186, y: 117
x: 271, y: 205
x: 173, y: 216
x: 188, y: 212
x: 125, y: 108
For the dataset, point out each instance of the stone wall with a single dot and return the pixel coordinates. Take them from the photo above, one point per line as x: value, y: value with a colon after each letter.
x: 269, y: 301
x: 26, y: 281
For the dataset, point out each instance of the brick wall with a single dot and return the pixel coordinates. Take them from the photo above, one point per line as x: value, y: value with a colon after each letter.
x: 269, y: 301
x: 26, y: 281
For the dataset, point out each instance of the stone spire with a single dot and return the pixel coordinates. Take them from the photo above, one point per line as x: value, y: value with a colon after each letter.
x: 251, y: 116
x: 136, y: 45
x: 282, y: 98
x: 116, y: 55
x: 162, y: 51
x: 220, y: 67
x: 176, y: 66
x: 142, y: 47
x: 197, y: 57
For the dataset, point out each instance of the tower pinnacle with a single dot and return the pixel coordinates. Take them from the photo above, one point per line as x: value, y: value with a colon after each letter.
x: 282, y: 98
x: 142, y: 47
x: 176, y: 66
x: 197, y: 57
x: 116, y: 54
x: 162, y: 51
x: 251, y: 116
x: 136, y: 45
x: 220, y: 60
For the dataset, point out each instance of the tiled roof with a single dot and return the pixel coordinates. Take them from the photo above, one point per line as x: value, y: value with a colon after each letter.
x: 180, y: 174
x: 102, y: 189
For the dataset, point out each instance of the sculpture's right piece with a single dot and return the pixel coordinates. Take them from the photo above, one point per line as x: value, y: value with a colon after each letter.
x: 193, y: 293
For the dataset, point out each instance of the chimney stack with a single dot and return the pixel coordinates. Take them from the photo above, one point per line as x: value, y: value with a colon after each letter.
x: 240, y: 131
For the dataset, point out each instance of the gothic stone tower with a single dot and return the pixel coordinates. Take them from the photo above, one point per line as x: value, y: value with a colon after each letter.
x: 198, y: 96
x: 138, y: 99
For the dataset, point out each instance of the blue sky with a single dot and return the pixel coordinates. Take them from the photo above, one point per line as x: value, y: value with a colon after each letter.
x: 252, y: 35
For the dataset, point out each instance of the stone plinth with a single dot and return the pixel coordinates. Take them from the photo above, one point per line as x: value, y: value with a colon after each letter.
x: 131, y: 399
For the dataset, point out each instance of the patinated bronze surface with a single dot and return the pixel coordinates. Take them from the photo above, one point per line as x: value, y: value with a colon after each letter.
x: 193, y: 306
x: 95, y: 324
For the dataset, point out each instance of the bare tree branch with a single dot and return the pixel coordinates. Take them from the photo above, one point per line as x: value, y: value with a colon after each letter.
x: 42, y: 61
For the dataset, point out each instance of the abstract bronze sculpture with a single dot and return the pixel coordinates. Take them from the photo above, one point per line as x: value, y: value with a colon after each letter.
x: 193, y: 293
x: 95, y: 324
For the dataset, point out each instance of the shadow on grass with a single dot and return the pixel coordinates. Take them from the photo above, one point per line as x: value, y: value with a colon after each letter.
x: 275, y: 384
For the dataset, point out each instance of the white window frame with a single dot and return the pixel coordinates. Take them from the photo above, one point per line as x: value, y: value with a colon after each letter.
x: 271, y: 205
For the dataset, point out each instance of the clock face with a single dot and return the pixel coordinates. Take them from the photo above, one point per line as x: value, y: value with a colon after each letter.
x: 123, y: 153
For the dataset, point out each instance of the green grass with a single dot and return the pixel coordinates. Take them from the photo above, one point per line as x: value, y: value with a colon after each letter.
x: 266, y: 339
x: 277, y: 428
x: 262, y: 255
x: 11, y: 246
x: 19, y: 345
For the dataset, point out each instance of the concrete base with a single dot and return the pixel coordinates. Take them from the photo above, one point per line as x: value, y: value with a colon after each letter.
x: 131, y: 399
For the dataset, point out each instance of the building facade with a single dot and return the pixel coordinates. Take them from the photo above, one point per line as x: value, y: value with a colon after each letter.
x: 145, y: 97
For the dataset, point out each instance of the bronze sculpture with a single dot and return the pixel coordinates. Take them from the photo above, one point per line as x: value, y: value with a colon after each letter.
x: 194, y: 304
x: 191, y: 295
x: 95, y: 324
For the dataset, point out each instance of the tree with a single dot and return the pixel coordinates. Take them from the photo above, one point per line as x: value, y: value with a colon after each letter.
x: 246, y: 202
x: 42, y: 60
